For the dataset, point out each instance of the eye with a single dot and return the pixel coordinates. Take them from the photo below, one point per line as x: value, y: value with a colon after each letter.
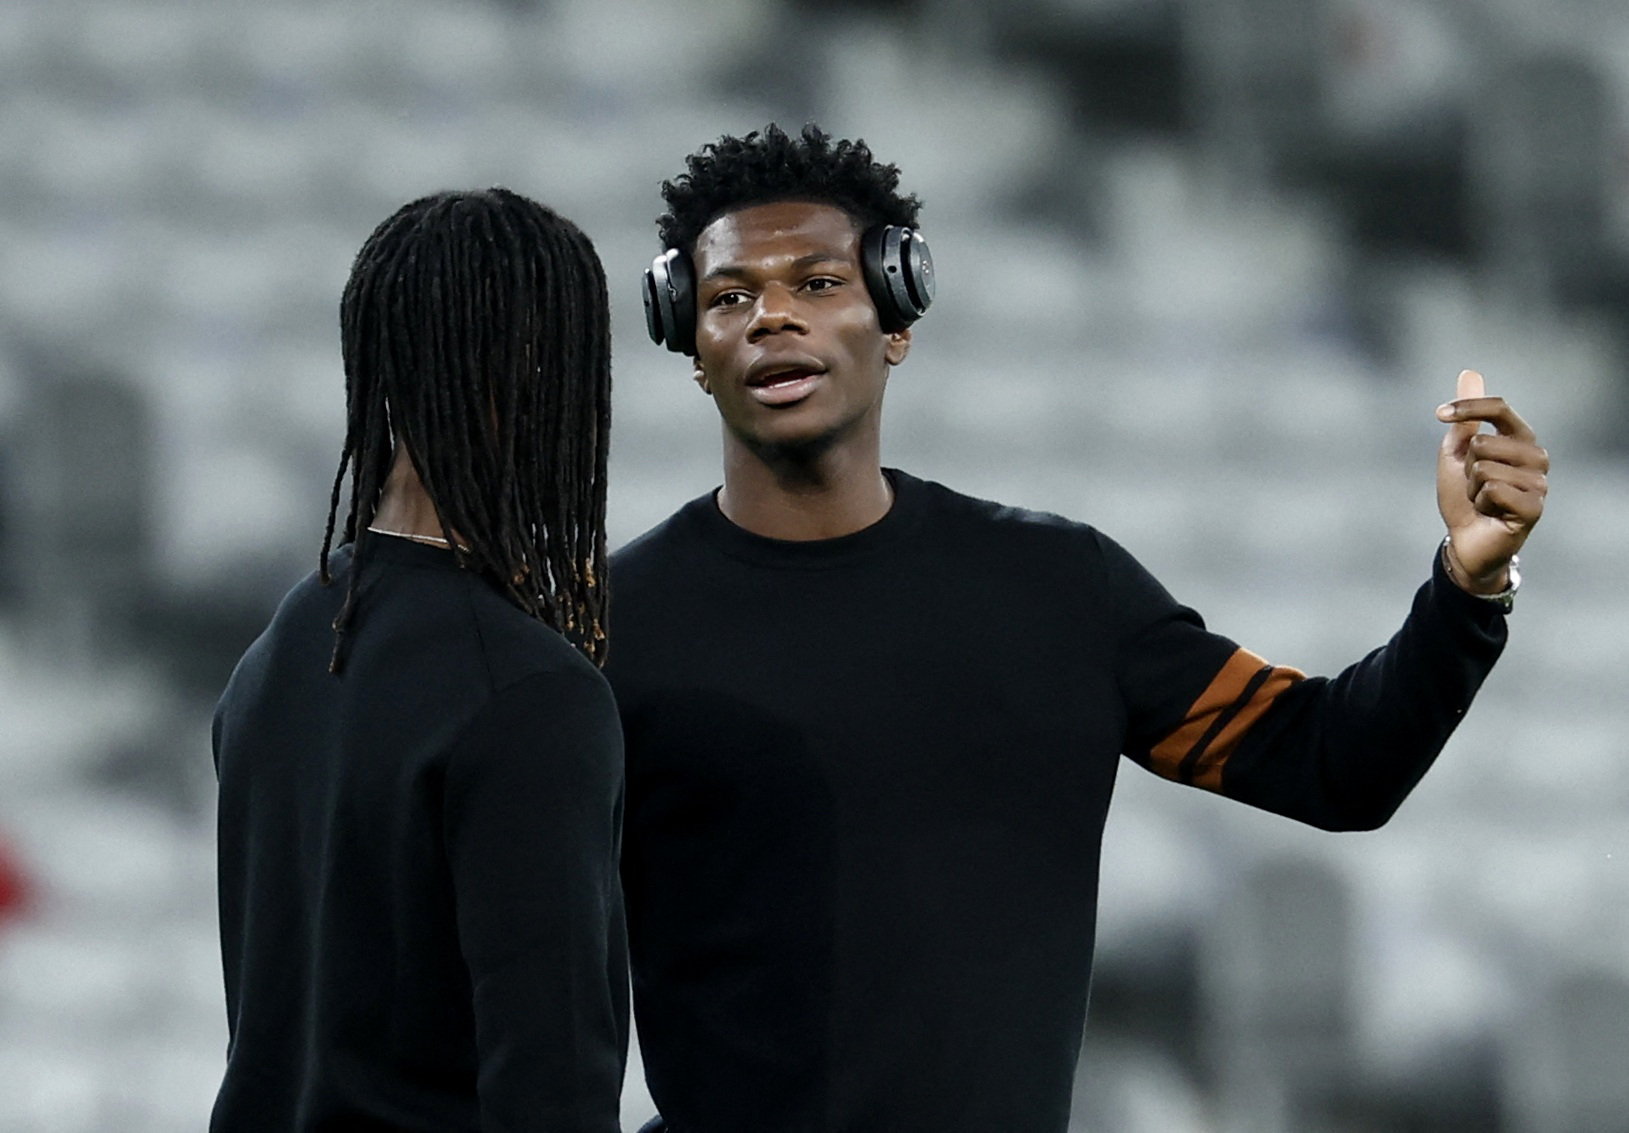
x: 822, y: 283
x: 728, y: 299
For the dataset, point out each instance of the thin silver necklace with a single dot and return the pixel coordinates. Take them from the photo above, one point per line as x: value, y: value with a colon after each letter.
x: 412, y: 536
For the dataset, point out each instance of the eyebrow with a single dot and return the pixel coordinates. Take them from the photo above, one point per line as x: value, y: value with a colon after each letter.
x: 735, y: 271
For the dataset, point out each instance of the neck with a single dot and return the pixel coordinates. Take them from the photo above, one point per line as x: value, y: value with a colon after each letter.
x: 804, y: 496
x: 405, y: 507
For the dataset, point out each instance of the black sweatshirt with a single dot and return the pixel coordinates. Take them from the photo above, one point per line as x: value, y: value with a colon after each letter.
x: 420, y: 918
x: 867, y: 782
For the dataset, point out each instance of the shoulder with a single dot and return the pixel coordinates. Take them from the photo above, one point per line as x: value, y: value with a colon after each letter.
x: 514, y: 646
x: 549, y: 742
x: 533, y: 691
x: 678, y: 534
x: 302, y: 622
x: 662, y: 567
x: 1008, y: 525
x: 442, y: 640
x: 570, y: 688
x: 1046, y: 553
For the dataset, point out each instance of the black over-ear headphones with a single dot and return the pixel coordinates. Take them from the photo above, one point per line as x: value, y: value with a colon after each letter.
x: 895, y: 260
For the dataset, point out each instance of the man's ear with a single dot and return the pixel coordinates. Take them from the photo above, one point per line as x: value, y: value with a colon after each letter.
x: 899, y: 345
x: 699, y: 376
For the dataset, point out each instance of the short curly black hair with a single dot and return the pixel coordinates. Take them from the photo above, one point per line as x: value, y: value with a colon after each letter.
x: 770, y: 165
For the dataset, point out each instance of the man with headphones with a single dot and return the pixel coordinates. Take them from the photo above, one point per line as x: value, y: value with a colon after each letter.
x: 873, y: 725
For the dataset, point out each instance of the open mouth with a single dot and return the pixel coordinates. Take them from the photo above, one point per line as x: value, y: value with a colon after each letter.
x: 789, y: 375
x: 780, y: 386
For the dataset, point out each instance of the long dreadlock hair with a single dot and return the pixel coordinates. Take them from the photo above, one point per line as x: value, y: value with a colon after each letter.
x: 475, y: 331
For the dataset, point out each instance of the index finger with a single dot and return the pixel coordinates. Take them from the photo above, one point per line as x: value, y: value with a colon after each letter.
x: 1470, y: 385
x: 1496, y: 412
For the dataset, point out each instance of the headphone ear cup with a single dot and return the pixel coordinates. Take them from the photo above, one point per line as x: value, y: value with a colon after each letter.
x: 653, y: 312
x: 876, y: 278
x: 670, y: 302
x: 918, y: 272
x: 898, y: 273
x: 681, y: 289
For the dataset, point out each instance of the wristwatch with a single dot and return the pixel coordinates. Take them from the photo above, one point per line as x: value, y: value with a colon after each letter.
x: 1504, y: 599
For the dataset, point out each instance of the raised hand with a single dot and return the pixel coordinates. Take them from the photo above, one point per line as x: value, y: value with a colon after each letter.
x: 1490, y: 486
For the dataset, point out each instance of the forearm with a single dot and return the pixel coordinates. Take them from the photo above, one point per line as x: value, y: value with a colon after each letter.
x: 551, y: 1032
x: 1342, y: 753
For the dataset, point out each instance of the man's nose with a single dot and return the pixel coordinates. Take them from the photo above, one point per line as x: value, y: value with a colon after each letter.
x: 776, y: 311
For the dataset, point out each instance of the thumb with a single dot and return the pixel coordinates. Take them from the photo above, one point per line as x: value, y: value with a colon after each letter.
x: 1470, y: 385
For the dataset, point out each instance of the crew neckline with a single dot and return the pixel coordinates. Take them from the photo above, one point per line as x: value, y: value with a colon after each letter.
x: 811, y: 554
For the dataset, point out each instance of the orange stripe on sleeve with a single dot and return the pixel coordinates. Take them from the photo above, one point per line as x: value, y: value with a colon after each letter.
x: 1207, y: 770
x: 1218, y: 710
x: 1223, y: 690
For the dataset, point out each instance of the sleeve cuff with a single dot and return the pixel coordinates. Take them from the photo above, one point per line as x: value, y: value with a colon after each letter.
x: 1458, y: 604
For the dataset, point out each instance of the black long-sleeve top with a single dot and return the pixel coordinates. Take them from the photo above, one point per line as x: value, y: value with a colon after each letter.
x: 420, y: 914
x: 867, y: 783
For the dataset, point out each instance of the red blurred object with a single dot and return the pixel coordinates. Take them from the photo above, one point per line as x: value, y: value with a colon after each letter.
x: 14, y: 888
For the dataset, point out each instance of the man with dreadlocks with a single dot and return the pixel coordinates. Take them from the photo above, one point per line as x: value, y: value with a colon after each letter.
x: 866, y: 792
x: 420, y: 763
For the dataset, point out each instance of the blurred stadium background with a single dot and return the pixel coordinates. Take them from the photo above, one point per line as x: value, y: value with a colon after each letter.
x: 1206, y: 268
